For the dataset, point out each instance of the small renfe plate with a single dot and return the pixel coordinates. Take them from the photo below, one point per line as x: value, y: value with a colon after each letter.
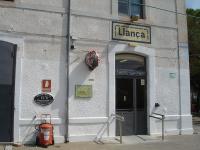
x: 43, y: 99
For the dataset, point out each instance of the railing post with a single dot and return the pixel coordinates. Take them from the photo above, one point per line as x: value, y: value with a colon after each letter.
x: 119, y: 119
x: 162, y: 119
x: 163, y: 132
x: 120, y: 126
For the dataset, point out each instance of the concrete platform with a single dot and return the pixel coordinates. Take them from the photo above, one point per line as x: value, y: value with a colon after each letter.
x: 184, y: 142
x: 131, y: 139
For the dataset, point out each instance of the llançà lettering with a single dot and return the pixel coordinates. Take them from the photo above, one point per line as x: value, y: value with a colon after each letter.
x: 123, y: 31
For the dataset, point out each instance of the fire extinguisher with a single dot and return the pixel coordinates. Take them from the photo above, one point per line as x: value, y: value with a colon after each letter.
x: 45, y: 136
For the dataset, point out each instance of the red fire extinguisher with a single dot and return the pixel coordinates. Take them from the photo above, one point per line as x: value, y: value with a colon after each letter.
x: 45, y: 132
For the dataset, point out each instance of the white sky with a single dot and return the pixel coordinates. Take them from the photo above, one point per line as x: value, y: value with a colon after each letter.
x: 195, y: 4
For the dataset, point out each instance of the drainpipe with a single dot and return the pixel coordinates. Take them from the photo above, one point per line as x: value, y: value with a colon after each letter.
x: 179, y: 73
x: 67, y: 55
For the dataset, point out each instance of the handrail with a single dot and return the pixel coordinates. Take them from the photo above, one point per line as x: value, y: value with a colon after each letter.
x: 162, y: 117
x: 107, y: 123
x: 159, y: 114
x: 120, y: 119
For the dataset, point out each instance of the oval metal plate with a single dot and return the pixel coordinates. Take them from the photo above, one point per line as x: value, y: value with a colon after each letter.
x: 43, y: 99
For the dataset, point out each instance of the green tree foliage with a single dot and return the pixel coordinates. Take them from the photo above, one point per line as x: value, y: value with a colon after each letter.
x: 194, y: 47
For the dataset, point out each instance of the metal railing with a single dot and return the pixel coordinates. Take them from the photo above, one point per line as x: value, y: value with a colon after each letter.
x: 120, y: 119
x: 162, y: 118
x: 111, y: 118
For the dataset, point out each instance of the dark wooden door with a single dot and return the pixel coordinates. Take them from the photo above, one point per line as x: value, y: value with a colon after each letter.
x: 7, y: 76
x: 132, y: 105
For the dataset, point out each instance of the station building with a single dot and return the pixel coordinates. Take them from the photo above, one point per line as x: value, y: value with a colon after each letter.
x: 125, y: 57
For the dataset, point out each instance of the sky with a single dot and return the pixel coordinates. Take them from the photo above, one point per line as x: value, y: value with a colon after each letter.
x: 195, y: 4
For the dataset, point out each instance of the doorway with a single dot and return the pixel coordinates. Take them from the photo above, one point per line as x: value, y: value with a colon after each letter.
x: 131, y: 93
x: 7, y: 82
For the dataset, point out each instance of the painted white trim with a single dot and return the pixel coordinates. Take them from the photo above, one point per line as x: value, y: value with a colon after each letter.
x: 57, y: 140
x: 186, y: 122
x: 19, y: 41
x: 167, y: 132
x: 149, y: 53
x: 55, y: 121
x: 175, y: 129
x: 88, y: 120
x: 187, y: 131
x: 175, y: 117
x: 82, y: 138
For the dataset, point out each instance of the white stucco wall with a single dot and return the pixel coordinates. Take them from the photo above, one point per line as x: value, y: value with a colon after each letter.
x: 41, y: 54
x: 38, y: 28
x: 92, y: 27
x: 44, y: 60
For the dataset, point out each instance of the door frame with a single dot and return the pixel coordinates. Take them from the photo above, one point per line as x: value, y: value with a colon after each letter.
x: 13, y: 90
x: 116, y: 48
x: 19, y: 41
x: 134, y: 79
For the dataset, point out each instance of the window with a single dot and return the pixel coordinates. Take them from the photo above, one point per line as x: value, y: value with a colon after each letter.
x: 131, y: 7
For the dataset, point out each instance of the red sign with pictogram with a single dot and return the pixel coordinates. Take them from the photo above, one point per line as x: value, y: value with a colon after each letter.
x: 46, y: 85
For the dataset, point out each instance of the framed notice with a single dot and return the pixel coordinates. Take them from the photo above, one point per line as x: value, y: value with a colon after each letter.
x: 83, y: 91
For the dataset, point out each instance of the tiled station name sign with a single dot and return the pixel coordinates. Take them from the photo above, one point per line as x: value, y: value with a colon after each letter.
x: 131, y: 32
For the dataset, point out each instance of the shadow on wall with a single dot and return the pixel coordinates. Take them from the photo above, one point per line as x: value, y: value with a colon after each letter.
x: 30, y: 132
x: 78, y: 75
